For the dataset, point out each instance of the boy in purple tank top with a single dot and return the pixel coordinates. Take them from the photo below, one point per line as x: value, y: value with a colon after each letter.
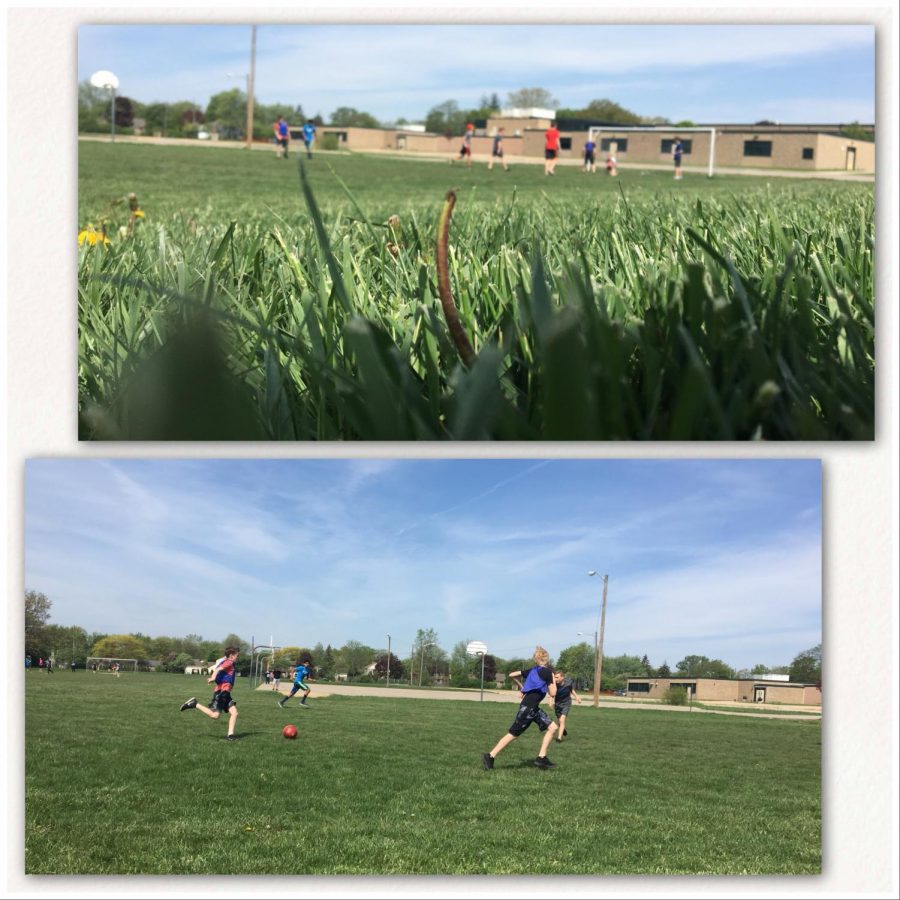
x: 538, y: 683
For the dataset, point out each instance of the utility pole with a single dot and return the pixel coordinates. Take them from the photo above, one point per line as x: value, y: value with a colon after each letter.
x: 251, y: 77
x: 389, y: 662
x: 598, y: 662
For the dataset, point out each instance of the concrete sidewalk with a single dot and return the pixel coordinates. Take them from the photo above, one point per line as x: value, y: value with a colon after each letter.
x: 496, y: 696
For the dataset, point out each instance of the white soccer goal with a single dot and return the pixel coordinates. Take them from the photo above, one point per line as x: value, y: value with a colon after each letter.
x: 106, y: 664
x: 608, y: 133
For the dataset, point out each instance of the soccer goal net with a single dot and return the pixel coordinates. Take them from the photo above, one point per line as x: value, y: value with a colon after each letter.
x: 609, y: 139
x: 110, y: 664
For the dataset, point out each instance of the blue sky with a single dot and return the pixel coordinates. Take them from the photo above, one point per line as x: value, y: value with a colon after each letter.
x: 713, y: 557
x: 707, y: 73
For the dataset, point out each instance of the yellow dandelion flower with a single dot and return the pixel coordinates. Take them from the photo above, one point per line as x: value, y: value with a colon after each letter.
x: 91, y: 236
x: 139, y: 214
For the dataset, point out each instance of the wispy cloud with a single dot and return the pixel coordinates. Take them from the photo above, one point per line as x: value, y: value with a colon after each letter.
x: 708, y: 556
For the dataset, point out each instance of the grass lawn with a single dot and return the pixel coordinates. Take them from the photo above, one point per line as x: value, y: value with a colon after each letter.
x: 118, y: 781
x: 247, y: 305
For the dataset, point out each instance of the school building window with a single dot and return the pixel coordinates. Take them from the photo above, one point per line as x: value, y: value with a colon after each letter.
x: 565, y: 143
x: 621, y: 144
x: 807, y: 152
x: 666, y: 144
x: 638, y: 687
x: 757, y: 148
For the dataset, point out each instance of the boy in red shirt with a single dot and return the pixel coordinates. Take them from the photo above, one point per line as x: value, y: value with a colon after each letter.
x: 551, y: 149
x: 223, y: 676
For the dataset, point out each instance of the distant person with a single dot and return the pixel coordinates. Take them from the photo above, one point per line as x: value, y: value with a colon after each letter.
x: 282, y: 137
x: 497, y: 151
x: 465, y: 151
x: 73, y: 666
x: 538, y: 683
x: 302, y: 671
x: 551, y: 149
x: 223, y: 678
x: 562, y: 703
x: 611, y: 168
x: 276, y: 679
x: 590, y: 155
x: 49, y: 666
x: 27, y: 662
x: 677, y: 151
x: 309, y: 137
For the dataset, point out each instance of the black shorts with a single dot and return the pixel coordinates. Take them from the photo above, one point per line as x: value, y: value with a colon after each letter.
x: 283, y: 142
x: 549, y: 154
x: 224, y: 701
x: 525, y: 716
x: 590, y: 158
x: 465, y: 150
x: 498, y: 152
x: 561, y: 709
x: 677, y: 161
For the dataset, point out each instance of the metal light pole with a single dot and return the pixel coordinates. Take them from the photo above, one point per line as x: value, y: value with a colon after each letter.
x: 389, y: 662
x: 585, y: 634
x: 598, y: 663
x: 105, y: 79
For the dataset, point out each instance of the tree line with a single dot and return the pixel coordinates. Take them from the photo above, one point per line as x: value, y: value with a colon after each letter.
x: 228, y: 110
x: 428, y: 663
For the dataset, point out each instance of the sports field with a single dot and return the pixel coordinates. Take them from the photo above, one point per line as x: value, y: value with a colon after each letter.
x: 248, y: 303
x: 119, y: 781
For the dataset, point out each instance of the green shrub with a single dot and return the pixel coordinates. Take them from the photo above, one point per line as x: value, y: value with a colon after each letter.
x: 676, y: 696
x: 329, y: 142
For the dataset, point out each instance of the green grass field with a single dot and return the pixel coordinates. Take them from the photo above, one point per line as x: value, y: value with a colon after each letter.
x: 246, y: 305
x: 119, y: 781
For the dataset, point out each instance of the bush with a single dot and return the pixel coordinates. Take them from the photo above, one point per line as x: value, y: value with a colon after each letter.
x: 329, y: 142
x: 676, y: 696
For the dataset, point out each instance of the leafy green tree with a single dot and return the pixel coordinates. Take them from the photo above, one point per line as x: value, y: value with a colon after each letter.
x: 123, y: 646
x: 759, y: 669
x: 228, y: 109
x: 69, y: 642
x: 180, y: 662
x: 445, y: 118
x: 807, y: 666
x: 703, y: 667
x: 857, y: 132
x: 525, y: 98
x: 355, y: 656
x: 664, y: 671
x: 577, y: 662
x: 348, y: 117
x: 685, y: 123
x: 37, y: 613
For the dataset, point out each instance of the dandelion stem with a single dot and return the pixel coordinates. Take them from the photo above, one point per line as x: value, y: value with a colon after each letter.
x: 451, y: 314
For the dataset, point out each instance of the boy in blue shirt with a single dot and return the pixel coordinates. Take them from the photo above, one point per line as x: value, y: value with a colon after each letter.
x: 309, y: 136
x: 538, y: 683
x: 302, y: 671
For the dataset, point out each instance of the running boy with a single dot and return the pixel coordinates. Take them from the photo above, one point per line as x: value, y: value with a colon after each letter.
x: 677, y: 150
x: 309, y: 137
x: 282, y: 137
x: 537, y: 684
x: 551, y: 149
x: 562, y: 703
x: 302, y: 671
x: 223, y: 676
x: 590, y: 155
x: 465, y: 152
x: 497, y: 151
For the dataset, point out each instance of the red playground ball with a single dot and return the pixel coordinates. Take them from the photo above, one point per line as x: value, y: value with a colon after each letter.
x: 289, y: 731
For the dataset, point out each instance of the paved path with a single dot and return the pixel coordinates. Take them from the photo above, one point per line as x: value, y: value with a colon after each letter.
x: 495, y: 696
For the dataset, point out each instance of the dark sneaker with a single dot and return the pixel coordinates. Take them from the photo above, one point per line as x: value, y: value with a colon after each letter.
x: 487, y: 760
x: 189, y: 704
x: 231, y: 737
x: 543, y: 762
x: 281, y: 702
